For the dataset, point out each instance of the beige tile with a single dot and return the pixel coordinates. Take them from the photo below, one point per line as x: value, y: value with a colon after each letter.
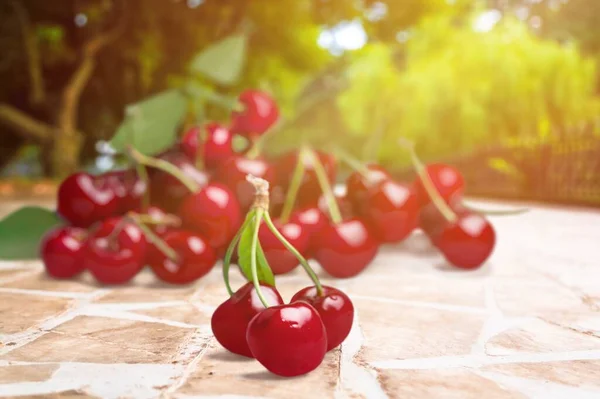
x: 221, y: 373
x: 578, y: 373
x: 26, y: 373
x: 147, y: 288
x: 70, y: 394
x: 20, y: 312
x: 183, y: 314
x: 393, y: 331
x: 104, y: 340
x: 539, y: 336
x: 447, y: 384
x: 42, y: 282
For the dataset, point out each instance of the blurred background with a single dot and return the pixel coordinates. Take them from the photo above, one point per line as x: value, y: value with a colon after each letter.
x: 506, y: 90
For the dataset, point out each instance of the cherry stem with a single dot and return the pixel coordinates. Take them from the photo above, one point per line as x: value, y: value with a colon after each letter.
x: 292, y: 193
x: 353, y: 163
x: 495, y: 212
x: 334, y: 210
x: 311, y: 273
x: 143, y: 175
x: 432, y: 192
x: 165, y: 166
x: 153, y: 238
x: 164, y: 220
x: 200, y: 149
x: 114, y: 234
x: 229, y: 252
x: 260, y: 213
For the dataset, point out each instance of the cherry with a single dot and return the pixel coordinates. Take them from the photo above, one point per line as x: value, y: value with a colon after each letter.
x: 278, y: 256
x: 214, y: 212
x: 391, y: 210
x: 468, y: 242
x: 217, y: 147
x: 312, y: 220
x: 334, y: 307
x: 194, y: 258
x: 346, y: 248
x: 229, y: 321
x: 432, y: 222
x: 446, y: 179
x: 115, y: 252
x: 166, y: 191
x: 128, y: 188
x: 310, y: 190
x: 259, y: 114
x: 358, y: 184
x: 233, y: 174
x: 84, y: 200
x: 343, y: 203
x: 289, y: 340
x: 61, y: 250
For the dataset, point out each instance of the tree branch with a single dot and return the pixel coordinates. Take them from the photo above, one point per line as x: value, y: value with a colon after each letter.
x: 25, y: 125
x: 37, y: 92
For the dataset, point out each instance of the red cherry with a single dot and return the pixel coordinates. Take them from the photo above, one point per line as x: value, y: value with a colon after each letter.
x: 259, y: 114
x: 233, y: 174
x: 343, y: 203
x: 84, y: 200
x: 213, y: 212
x: 229, y: 321
x: 345, y: 249
x: 166, y: 191
x: 115, y: 257
x: 468, y: 242
x: 289, y: 340
x: 357, y: 184
x: 310, y: 189
x: 281, y: 259
x: 61, y: 250
x: 391, y: 210
x: 446, y: 179
x: 432, y: 222
x: 312, y: 221
x: 128, y: 188
x: 334, y: 307
x: 217, y: 147
x: 195, y: 258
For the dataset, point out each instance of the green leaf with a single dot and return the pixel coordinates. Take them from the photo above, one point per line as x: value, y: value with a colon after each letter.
x: 22, y: 231
x: 151, y: 126
x: 223, y: 61
x: 244, y: 249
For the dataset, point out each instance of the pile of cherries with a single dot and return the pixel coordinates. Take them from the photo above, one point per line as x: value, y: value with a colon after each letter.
x: 179, y: 211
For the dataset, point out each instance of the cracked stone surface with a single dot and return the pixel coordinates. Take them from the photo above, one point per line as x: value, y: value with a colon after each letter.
x: 527, y: 325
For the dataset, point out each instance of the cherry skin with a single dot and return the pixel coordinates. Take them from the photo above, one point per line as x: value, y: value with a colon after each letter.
x: 446, y: 179
x: 343, y: 203
x: 62, y: 251
x: 432, y: 222
x: 289, y: 340
x: 468, y: 242
x: 312, y: 220
x: 334, y: 307
x: 345, y: 249
x: 279, y: 257
x: 194, y: 258
x: 391, y: 210
x: 233, y: 174
x: 259, y: 114
x: 156, y: 214
x: 357, y: 184
x: 230, y: 320
x: 166, y: 191
x: 115, y: 256
x: 84, y: 200
x: 216, y: 149
x: 128, y: 188
x: 214, y: 213
x: 310, y: 189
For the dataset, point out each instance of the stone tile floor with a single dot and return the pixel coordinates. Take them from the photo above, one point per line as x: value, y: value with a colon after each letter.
x: 525, y: 326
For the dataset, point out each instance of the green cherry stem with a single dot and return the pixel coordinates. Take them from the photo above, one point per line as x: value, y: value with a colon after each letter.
x: 231, y: 248
x: 260, y: 213
x: 352, y: 162
x: 292, y: 193
x: 165, y: 167
x: 153, y: 238
x: 298, y: 255
x: 437, y: 200
x: 334, y: 210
